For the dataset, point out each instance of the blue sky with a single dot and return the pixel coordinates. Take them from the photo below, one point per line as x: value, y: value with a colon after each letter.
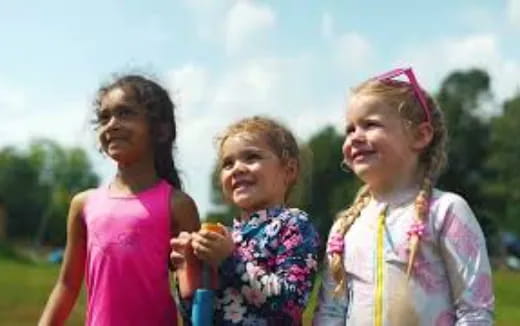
x: 222, y: 60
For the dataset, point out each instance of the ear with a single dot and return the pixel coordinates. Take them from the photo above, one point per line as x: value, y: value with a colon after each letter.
x: 422, y: 137
x: 292, y: 170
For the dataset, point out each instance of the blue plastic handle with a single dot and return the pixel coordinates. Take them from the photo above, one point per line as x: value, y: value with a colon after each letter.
x: 202, y: 309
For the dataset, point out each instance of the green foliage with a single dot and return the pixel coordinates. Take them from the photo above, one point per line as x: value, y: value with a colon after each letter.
x: 460, y: 98
x: 331, y: 189
x: 483, y: 161
x: 37, y: 185
x: 504, y: 160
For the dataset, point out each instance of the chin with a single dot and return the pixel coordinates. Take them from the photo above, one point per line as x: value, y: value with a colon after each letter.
x: 245, y: 204
x: 365, y: 173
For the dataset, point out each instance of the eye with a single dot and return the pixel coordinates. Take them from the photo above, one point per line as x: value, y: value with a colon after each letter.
x: 226, y: 164
x: 126, y: 112
x: 350, y: 129
x: 102, y: 117
x: 370, y: 124
x: 252, y: 157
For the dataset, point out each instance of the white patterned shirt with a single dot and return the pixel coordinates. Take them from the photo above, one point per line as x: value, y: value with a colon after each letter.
x: 451, y: 281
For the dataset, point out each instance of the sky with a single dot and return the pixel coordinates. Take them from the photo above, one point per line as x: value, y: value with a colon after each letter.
x: 222, y: 60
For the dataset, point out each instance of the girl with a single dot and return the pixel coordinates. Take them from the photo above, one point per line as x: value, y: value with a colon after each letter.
x: 268, y: 261
x: 119, y: 234
x: 404, y: 253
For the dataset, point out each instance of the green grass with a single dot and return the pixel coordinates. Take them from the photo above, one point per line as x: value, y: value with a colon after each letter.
x: 25, y: 286
x: 507, y: 293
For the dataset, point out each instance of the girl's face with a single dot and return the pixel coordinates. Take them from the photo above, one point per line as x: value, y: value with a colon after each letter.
x: 378, y: 147
x: 252, y: 175
x: 123, y: 127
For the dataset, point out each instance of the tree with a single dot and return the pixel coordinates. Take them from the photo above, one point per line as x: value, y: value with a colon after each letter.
x: 504, y: 160
x: 331, y: 189
x: 223, y: 212
x: 483, y: 157
x: 37, y: 185
x: 459, y: 98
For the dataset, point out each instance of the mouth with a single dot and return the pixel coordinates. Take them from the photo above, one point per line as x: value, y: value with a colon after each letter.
x: 115, y: 140
x: 240, y: 185
x: 361, y: 154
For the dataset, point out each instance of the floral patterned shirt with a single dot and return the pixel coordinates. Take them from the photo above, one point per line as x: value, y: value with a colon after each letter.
x: 268, y: 278
x: 451, y: 281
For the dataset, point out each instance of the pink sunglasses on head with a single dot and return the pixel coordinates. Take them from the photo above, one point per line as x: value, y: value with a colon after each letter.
x: 408, y: 72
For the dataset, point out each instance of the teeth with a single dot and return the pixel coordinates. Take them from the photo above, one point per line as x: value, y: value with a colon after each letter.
x: 240, y: 184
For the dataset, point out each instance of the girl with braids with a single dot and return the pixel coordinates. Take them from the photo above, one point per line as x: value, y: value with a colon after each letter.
x: 268, y: 260
x: 118, y: 234
x: 404, y: 253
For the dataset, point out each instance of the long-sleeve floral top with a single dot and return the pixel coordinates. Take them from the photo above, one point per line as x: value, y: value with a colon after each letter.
x: 268, y: 278
x: 451, y: 281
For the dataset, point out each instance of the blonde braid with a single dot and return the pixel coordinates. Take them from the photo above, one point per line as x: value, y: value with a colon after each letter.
x: 421, y: 208
x: 434, y: 159
x: 344, y: 220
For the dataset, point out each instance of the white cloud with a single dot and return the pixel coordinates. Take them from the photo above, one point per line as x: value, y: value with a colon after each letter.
x: 271, y: 86
x: 327, y: 25
x: 188, y: 85
x: 513, y: 12
x: 353, y: 51
x: 438, y: 58
x: 252, y: 84
x: 246, y: 21
x: 12, y: 100
x: 26, y: 115
x: 66, y: 123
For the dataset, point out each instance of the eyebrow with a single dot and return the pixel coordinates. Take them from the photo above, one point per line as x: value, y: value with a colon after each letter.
x: 247, y: 150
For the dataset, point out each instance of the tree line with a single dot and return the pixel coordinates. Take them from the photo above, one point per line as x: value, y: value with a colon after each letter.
x: 483, y: 160
x: 36, y: 184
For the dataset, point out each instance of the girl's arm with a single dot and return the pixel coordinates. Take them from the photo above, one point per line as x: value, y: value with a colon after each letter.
x: 65, y: 292
x: 184, y: 219
x: 330, y: 310
x: 464, y: 251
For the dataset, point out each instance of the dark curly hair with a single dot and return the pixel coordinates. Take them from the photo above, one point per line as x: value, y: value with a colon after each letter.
x: 160, y: 111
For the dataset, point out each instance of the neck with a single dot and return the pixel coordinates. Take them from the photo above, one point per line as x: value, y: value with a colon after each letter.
x: 136, y: 176
x: 400, y: 184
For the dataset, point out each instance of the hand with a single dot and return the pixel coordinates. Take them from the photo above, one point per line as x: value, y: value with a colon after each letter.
x: 179, y: 246
x: 212, y: 247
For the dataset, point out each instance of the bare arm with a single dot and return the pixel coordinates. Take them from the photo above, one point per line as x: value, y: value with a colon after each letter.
x: 68, y: 285
x: 185, y: 219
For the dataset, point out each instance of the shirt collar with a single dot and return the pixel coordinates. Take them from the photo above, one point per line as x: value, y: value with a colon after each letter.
x: 259, y: 216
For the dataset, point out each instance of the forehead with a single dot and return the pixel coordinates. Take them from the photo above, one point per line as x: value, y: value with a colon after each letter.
x: 362, y: 106
x: 243, y: 141
x: 115, y: 97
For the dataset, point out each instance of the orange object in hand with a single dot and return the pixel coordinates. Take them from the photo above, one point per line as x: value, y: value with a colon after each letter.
x: 213, y: 277
x: 214, y: 227
x: 190, y: 273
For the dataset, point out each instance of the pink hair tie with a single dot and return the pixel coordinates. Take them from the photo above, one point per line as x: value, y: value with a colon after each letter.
x: 418, y: 229
x: 335, y: 244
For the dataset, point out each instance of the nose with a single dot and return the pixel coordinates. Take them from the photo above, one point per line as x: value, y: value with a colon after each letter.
x: 238, y: 168
x: 356, y: 135
x: 113, y: 123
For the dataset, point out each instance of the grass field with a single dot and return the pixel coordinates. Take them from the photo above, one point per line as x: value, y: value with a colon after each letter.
x: 24, y: 288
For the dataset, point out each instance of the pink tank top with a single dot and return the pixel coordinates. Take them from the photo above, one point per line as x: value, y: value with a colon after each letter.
x: 127, y: 258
